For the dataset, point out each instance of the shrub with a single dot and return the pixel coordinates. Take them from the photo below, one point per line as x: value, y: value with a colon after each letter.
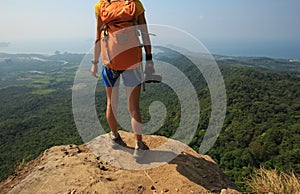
x: 273, y: 181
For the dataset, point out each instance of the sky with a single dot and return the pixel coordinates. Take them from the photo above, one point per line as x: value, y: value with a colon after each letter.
x: 233, y: 27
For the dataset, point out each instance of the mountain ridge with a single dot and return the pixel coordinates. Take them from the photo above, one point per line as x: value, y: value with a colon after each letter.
x: 261, y: 126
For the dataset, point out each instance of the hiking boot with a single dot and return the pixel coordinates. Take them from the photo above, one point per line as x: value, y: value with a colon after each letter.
x: 139, y: 149
x: 116, y: 139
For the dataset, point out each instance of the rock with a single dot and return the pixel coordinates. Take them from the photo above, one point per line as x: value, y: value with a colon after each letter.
x: 141, y: 189
x: 41, y: 168
x: 229, y: 191
x: 62, y: 168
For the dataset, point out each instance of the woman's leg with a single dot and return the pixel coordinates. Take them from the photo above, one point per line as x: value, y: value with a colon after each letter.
x: 133, y: 96
x: 111, y: 107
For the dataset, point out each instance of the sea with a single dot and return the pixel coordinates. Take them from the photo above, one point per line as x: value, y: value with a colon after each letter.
x: 272, y: 49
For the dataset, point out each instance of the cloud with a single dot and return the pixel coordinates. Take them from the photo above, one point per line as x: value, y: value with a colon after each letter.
x: 201, y: 17
x: 4, y: 44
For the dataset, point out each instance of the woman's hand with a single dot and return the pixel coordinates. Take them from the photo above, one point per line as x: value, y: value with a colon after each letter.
x: 94, y: 70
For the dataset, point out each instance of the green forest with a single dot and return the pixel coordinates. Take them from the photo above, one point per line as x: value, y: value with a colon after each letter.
x: 261, y: 128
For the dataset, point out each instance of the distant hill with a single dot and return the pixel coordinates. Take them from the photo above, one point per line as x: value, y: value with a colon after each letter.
x: 276, y: 65
x: 288, y: 66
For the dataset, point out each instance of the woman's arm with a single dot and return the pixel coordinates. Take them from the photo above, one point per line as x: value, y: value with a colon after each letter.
x: 97, y: 47
x: 147, y: 43
x: 145, y: 35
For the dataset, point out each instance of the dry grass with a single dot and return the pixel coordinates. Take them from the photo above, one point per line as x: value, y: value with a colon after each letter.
x: 273, y: 181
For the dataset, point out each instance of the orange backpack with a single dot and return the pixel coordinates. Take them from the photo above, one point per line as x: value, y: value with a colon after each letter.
x: 120, y: 44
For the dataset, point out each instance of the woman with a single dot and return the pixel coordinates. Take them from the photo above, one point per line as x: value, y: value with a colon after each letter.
x: 132, y: 79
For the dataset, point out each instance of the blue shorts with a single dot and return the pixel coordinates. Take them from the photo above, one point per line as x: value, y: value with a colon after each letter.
x: 131, y: 78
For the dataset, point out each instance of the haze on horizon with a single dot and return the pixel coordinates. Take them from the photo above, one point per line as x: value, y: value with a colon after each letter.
x: 223, y: 26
